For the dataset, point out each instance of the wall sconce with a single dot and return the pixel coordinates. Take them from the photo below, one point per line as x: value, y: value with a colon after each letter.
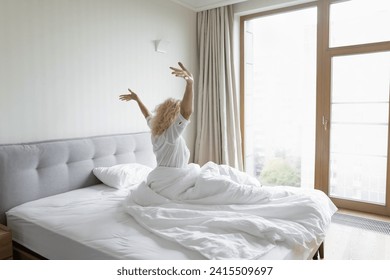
x: 161, y: 45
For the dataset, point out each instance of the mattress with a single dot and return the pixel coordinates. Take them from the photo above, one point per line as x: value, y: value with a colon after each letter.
x: 90, y: 223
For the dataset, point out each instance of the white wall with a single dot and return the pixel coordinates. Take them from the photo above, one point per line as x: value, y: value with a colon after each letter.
x: 63, y: 64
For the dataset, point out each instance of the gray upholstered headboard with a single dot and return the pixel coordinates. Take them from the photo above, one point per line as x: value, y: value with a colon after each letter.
x: 35, y: 170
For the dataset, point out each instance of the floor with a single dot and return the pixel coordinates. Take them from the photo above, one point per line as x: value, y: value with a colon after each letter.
x: 350, y: 243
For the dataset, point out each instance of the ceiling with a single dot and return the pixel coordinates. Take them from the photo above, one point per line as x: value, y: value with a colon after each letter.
x: 201, y: 5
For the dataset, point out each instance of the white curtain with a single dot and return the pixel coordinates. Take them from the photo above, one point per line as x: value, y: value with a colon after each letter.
x: 218, y: 136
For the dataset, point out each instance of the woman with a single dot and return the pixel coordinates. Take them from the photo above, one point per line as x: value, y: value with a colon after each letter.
x: 174, y: 178
x: 170, y: 120
x: 215, y: 209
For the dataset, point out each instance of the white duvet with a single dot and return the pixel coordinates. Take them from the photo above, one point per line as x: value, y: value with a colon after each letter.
x: 225, y: 214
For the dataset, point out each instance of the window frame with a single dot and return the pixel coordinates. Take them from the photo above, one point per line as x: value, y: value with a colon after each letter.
x: 323, y: 98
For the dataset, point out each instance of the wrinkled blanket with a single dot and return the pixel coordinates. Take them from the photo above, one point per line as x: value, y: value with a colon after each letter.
x: 225, y: 214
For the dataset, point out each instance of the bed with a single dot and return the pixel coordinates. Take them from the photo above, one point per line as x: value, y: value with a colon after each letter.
x: 56, y: 208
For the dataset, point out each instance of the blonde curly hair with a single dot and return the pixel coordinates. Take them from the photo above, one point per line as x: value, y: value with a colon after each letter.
x: 165, y: 114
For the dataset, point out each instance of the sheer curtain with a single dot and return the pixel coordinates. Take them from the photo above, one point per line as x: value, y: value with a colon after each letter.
x: 218, y: 136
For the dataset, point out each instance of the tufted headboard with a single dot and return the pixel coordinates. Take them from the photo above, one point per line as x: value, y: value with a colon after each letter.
x: 35, y: 170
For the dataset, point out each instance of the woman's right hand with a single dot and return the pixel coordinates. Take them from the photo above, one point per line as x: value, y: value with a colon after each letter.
x: 128, y: 97
x: 183, y: 73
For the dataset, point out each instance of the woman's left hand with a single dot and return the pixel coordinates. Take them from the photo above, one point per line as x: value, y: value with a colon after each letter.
x: 183, y: 72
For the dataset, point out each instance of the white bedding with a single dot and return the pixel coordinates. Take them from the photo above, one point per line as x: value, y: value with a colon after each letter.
x: 90, y: 223
x: 224, y: 214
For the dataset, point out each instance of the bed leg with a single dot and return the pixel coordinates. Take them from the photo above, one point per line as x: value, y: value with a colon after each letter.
x: 321, y: 251
x: 319, y: 254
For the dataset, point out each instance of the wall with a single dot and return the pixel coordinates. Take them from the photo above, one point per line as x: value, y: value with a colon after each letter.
x: 63, y: 64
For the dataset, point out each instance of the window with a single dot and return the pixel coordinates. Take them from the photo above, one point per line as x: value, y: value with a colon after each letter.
x: 359, y: 22
x: 316, y: 99
x: 359, y: 126
x: 281, y: 95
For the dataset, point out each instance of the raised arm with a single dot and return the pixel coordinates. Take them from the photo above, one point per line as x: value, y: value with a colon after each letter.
x: 134, y: 96
x: 186, y: 106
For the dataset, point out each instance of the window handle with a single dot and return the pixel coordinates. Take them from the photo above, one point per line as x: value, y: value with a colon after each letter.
x: 325, y: 123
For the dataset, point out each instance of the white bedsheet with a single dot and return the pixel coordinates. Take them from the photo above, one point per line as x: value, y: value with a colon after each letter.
x: 224, y: 214
x: 90, y: 223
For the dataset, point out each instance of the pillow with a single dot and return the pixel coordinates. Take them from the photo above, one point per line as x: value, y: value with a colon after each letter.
x: 122, y: 175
